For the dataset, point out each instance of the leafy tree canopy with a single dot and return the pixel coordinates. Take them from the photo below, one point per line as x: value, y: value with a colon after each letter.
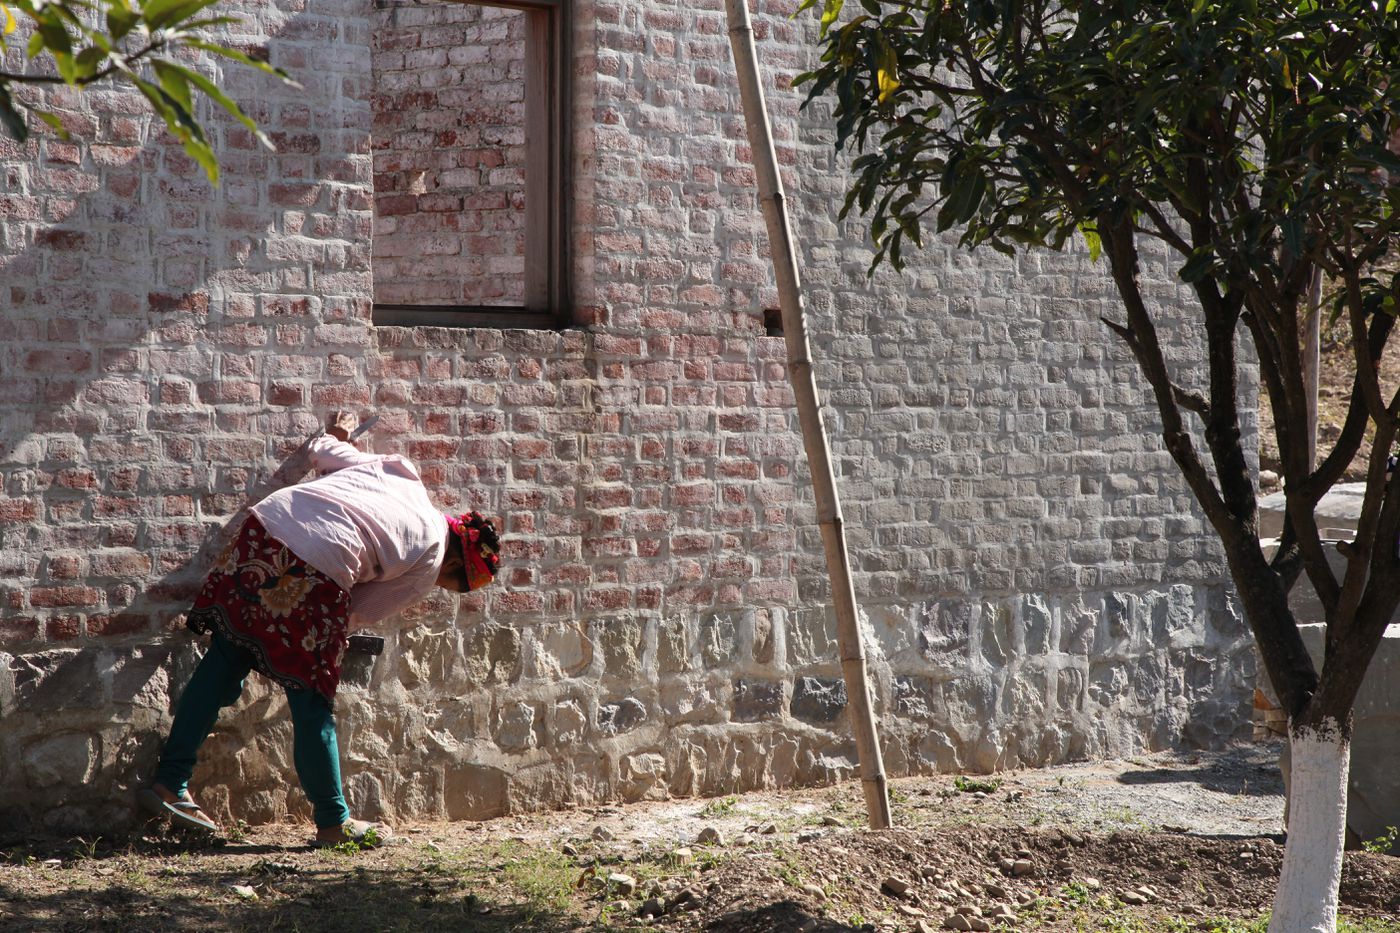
x: 1253, y: 140
x: 1251, y: 137
x: 81, y: 42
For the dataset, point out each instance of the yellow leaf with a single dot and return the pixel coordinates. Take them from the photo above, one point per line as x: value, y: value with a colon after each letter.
x: 886, y: 70
x: 10, y: 24
x: 888, y: 82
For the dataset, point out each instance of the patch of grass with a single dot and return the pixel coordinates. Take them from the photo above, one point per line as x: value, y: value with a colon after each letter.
x: 720, y: 806
x: 1370, y: 925
x: 544, y: 879
x: 966, y: 785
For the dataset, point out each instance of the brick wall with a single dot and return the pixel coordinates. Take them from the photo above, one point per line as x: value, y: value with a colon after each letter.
x: 449, y: 154
x: 1035, y: 582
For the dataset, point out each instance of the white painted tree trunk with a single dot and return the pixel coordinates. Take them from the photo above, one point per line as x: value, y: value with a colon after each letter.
x: 1306, y: 901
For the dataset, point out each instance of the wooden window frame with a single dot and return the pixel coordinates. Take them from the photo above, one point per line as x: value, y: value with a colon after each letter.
x: 547, y: 187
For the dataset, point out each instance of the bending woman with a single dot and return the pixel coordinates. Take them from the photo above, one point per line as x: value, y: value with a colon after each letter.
x: 311, y: 562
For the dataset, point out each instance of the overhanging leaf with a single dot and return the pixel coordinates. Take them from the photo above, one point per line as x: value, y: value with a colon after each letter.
x: 12, y: 119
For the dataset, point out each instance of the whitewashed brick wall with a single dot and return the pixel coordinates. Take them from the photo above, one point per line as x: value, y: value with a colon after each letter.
x: 1035, y: 580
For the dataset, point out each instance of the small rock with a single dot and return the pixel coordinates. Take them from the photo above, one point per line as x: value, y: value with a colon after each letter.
x: 1006, y: 864
x: 768, y: 829
x: 652, y: 907
x: 1132, y: 898
x: 1149, y: 892
x: 682, y: 854
x: 244, y: 891
x: 910, y: 911
x: 602, y: 834
x: 53, y: 863
x: 279, y: 868
x: 1268, y: 478
x: 969, y: 910
x: 569, y: 849
x: 1093, y: 884
x: 683, y: 896
x: 810, y: 835
x: 1211, y: 901
x: 895, y: 885
x: 923, y: 926
x: 957, y: 922
x: 814, y: 891
x: 995, y: 890
x: 709, y: 836
x: 979, y: 924
x: 623, y: 884
x: 1173, y: 877
x: 1022, y: 867
x: 831, y: 821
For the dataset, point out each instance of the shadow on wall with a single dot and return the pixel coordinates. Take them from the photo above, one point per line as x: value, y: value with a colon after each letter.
x: 165, y: 340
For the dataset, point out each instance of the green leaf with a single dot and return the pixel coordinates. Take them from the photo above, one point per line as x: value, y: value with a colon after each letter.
x: 53, y: 33
x: 214, y: 48
x: 53, y: 121
x: 172, y: 80
x: 89, y: 60
x: 160, y: 14
x: 1094, y: 241
x: 220, y: 98
x: 180, y: 121
x: 12, y: 119
x: 830, y: 12
x: 121, y: 19
x: 1197, y: 266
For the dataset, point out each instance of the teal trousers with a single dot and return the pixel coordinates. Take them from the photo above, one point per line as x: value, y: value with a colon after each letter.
x: 218, y: 682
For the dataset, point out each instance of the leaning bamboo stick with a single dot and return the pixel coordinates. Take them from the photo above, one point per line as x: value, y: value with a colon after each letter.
x: 804, y: 386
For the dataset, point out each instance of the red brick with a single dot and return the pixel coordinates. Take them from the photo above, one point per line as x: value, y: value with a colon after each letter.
x: 122, y: 623
x: 15, y: 630
x: 62, y: 628
x: 18, y: 510
x: 48, y: 597
x: 57, y: 361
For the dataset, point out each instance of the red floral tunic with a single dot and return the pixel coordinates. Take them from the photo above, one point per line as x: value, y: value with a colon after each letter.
x: 292, y: 617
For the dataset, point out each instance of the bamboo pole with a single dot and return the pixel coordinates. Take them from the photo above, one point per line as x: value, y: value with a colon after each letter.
x: 804, y: 386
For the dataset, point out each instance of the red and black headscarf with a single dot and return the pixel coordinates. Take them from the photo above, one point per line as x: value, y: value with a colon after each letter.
x: 481, y: 547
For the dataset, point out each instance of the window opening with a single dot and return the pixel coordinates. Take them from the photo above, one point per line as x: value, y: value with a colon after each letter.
x: 470, y: 163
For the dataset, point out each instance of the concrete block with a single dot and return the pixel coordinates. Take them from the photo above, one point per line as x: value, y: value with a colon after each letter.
x: 1373, y: 790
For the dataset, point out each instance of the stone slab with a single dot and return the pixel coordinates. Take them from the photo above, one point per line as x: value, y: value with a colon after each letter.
x: 1336, y: 514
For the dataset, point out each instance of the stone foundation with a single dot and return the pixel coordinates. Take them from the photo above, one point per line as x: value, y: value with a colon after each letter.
x: 467, y: 723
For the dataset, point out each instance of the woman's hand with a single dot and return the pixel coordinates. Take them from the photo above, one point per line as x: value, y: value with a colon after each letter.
x: 341, y: 424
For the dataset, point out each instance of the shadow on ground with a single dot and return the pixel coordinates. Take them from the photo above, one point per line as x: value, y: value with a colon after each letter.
x: 782, y: 917
x: 309, y: 901
x: 1244, y: 770
x: 184, y: 884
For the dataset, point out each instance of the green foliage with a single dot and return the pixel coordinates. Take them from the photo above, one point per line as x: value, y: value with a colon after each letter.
x: 720, y: 806
x: 1384, y: 843
x: 1261, y: 123
x: 972, y: 785
x: 81, y: 42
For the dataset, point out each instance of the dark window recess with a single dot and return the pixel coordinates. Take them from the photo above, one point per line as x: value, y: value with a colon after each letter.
x: 773, y: 322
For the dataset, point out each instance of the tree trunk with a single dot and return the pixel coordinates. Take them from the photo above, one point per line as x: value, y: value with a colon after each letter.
x: 804, y: 387
x: 1306, y: 901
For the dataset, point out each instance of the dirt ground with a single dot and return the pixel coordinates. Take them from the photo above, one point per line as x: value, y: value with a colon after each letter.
x: 1170, y: 842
